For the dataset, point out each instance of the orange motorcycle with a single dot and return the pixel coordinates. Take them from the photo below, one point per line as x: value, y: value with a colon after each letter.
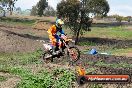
x: 72, y: 52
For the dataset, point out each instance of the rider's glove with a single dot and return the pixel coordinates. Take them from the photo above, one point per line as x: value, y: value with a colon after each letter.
x: 63, y: 36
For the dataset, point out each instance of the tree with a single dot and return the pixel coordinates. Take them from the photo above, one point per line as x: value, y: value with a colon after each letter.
x: 26, y: 12
x: 9, y: 4
x: 97, y: 7
x: 3, y: 4
x: 49, y: 11
x: 77, y: 13
x: 128, y: 18
x: 118, y: 18
x: 69, y: 10
x: 18, y: 10
x: 41, y: 5
x: 34, y: 11
x: 3, y: 11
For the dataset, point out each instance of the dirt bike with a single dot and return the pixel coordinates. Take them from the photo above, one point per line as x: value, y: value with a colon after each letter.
x: 72, y: 52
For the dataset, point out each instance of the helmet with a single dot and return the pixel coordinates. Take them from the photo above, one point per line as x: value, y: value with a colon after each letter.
x: 59, y: 23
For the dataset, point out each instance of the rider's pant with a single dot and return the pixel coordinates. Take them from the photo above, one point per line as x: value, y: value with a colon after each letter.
x: 54, y: 41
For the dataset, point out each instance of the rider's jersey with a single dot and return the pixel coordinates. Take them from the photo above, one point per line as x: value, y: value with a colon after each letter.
x: 54, y: 30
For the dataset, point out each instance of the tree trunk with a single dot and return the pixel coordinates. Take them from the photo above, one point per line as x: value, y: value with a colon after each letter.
x: 10, y: 10
x: 4, y: 13
x: 77, y: 35
x: 80, y: 26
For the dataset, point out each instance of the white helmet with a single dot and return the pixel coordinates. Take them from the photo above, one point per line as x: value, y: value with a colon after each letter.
x: 59, y: 23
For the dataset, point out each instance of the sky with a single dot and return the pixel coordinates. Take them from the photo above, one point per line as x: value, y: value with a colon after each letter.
x: 120, y: 7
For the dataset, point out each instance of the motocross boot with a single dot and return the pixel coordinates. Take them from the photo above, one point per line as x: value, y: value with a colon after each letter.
x: 56, y: 49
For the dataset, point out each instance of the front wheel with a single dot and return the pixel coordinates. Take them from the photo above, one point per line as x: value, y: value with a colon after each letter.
x: 73, y: 54
x: 47, y: 57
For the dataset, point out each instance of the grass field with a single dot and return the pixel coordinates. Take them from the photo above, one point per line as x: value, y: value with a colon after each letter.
x: 121, y: 33
x: 16, y: 22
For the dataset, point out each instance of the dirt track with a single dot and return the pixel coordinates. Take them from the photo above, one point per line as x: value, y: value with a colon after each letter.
x: 19, y: 40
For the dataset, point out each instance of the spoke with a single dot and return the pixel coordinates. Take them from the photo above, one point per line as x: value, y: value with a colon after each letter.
x: 73, y: 54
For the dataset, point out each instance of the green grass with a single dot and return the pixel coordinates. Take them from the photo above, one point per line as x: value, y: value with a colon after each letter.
x: 111, y: 51
x: 121, y: 51
x: 58, y: 78
x: 13, y: 64
x: 110, y: 32
x: 20, y: 58
x: 120, y: 32
x: 16, y: 22
x: 2, y: 78
x: 89, y: 70
x: 114, y: 65
x: 10, y: 23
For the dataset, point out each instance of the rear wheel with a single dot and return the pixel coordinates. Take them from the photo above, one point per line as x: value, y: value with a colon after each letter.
x: 47, y: 57
x: 73, y: 54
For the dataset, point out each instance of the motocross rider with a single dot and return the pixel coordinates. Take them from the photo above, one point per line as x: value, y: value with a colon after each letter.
x: 54, y: 37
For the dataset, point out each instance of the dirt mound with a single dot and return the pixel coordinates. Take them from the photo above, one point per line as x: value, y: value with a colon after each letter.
x: 41, y: 25
x: 17, y: 42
